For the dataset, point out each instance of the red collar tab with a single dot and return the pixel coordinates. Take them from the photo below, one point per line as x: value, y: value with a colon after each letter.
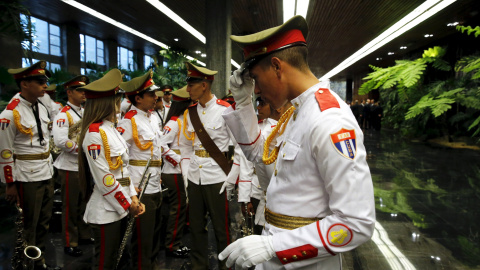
x: 29, y: 73
x: 273, y: 43
x: 95, y: 127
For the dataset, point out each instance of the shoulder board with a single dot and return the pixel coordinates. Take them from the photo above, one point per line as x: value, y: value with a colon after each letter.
x: 167, y: 106
x: 174, y: 118
x: 12, y: 105
x: 65, y: 109
x: 223, y: 103
x: 130, y: 114
x: 95, y: 127
x: 128, y: 101
x: 193, y: 105
x: 325, y: 99
x: 260, y: 121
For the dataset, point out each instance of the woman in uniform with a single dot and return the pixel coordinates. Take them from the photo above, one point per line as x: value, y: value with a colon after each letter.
x: 103, y: 163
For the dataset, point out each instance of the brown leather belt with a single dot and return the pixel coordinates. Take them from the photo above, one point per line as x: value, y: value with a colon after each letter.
x: 125, y: 182
x: 32, y: 156
x: 287, y: 222
x: 143, y: 163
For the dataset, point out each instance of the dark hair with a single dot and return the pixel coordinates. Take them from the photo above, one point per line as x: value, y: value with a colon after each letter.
x: 177, y: 108
x: 132, y: 97
x: 295, y: 56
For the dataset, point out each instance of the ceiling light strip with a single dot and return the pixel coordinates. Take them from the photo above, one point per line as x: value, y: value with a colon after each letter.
x: 421, y: 13
x: 172, y: 15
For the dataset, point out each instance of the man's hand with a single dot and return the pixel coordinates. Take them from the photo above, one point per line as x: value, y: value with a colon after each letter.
x: 242, y: 86
x: 248, y: 251
x: 136, y: 207
x: 11, y: 193
x: 229, y: 187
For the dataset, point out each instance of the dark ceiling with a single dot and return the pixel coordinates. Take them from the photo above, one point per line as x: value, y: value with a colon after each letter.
x: 337, y: 28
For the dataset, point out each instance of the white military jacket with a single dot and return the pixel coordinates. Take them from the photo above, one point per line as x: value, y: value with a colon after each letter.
x: 170, y: 143
x: 12, y: 140
x: 109, y: 201
x: 321, y: 172
x: 161, y: 116
x: 205, y: 170
x: 68, y: 158
x: 147, y: 131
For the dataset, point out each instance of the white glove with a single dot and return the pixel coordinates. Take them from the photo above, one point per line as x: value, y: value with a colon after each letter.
x: 242, y: 86
x: 248, y: 251
x: 229, y: 187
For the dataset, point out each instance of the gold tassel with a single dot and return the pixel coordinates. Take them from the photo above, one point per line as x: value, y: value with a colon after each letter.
x: 118, y: 162
x: 26, y: 131
x: 282, y: 124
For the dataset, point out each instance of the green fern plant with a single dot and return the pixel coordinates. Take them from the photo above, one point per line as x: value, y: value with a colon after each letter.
x: 469, y: 30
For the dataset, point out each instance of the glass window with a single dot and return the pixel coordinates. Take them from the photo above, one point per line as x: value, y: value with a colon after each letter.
x: 50, y: 66
x: 148, y: 61
x: 125, y: 58
x: 46, y: 37
x: 91, y: 50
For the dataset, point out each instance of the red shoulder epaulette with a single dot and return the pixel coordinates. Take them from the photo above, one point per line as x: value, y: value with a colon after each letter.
x: 260, y: 121
x: 13, y: 104
x: 193, y: 105
x: 59, y: 103
x: 325, y: 99
x: 66, y: 108
x: 95, y: 127
x: 174, y: 118
x: 130, y: 114
x: 223, y: 103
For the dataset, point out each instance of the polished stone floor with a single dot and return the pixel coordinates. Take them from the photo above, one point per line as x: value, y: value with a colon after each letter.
x: 427, y: 201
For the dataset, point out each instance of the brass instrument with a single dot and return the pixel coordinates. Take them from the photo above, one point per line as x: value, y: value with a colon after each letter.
x: 74, y: 131
x: 24, y: 256
x: 248, y: 223
x: 142, y: 186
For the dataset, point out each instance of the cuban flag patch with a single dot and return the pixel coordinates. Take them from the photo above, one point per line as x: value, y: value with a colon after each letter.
x: 4, y: 123
x: 94, y: 150
x: 166, y: 130
x: 120, y: 130
x: 344, y: 142
x: 60, y: 122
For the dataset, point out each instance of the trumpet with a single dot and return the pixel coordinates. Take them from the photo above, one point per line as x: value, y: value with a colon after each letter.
x: 248, y: 223
x: 24, y: 256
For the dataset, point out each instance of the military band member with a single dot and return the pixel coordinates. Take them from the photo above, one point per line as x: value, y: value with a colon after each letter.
x: 74, y: 228
x: 167, y: 97
x: 320, y: 198
x: 26, y: 163
x: 103, y: 160
x: 159, y: 111
x: 172, y: 174
x: 55, y: 106
x: 142, y: 134
x: 205, y: 175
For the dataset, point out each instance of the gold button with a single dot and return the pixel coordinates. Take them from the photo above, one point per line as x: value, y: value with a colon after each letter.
x: 294, y: 257
x: 275, y: 172
x: 283, y: 154
x: 304, y: 253
x: 294, y: 116
x: 203, y: 112
x: 296, y: 104
x: 284, y: 143
x: 200, y: 166
x: 285, y: 259
x: 200, y: 146
x: 320, y: 91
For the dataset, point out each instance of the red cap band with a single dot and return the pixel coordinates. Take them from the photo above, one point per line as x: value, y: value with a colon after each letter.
x: 273, y: 43
x: 34, y: 72
x: 74, y: 83
x: 144, y: 86
x: 196, y: 74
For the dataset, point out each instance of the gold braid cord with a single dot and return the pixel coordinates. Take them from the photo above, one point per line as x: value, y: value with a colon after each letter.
x: 119, y: 161
x: 282, y: 124
x: 137, y: 140
x: 179, y: 128
x: 16, y: 120
x: 70, y: 119
x: 192, y: 137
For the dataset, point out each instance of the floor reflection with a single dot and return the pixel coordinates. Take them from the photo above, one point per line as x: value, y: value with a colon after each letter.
x: 427, y: 201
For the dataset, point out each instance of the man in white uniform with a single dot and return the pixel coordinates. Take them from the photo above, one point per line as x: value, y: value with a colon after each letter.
x: 320, y: 199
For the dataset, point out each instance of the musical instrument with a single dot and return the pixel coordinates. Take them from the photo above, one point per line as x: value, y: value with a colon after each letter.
x: 248, y: 223
x: 142, y: 186
x: 24, y: 256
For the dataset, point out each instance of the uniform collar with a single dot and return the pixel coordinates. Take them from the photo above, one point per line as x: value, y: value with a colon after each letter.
x: 140, y: 112
x: 211, y: 101
x: 76, y: 108
x: 302, y: 98
x: 24, y: 101
x: 108, y: 123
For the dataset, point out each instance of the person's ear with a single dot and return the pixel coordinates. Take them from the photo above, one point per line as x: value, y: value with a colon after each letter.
x: 138, y: 99
x: 276, y: 65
